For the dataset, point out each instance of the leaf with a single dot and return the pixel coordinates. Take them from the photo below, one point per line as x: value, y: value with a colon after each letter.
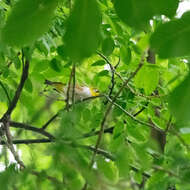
x: 27, y: 21
x: 28, y: 85
x: 133, y: 13
x: 108, y: 46
x: 99, y: 63
x: 179, y: 103
x: 158, y: 181
x: 40, y: 66
x: 55, y: 65
x: 17, y: 62
x: 109, y: 170
x: 125, y: 55
x: 172, y: 38
x: 147, y: 78
x: 83, y: 29
x: 122, y: 161
x: 167, y: 8
x: 103, y: 73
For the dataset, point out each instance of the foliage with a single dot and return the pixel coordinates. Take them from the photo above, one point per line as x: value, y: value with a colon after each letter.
x: 135, y: 135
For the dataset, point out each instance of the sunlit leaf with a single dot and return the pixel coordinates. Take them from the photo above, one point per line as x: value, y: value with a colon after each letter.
x: 27, y: 21
x: 147, y: 78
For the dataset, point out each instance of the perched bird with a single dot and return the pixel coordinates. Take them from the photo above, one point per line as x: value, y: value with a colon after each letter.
x: 81, y: 92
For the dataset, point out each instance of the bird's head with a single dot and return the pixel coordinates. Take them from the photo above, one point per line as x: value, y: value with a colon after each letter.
x: 94, y: 92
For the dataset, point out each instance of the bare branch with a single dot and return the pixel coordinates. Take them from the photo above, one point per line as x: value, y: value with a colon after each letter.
x: 30, y: 128
x: 49, y: 121
x: 74, y: 81
x: 11, y: 147
x: 19, y: 90
x: 28, y: 141
x: 69, y: 87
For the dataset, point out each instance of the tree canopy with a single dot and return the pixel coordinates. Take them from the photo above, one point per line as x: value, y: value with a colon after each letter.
x: 132, y: 132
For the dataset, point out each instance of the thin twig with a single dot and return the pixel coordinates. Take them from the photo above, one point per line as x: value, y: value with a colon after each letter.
x: 70, y: 105
x: 19, y: 90
x: 112, y: 72
x: 134, y: 118
x: 68, y: 88
x: 108, y: 110
x: 115, y: 67
x: 169, y: 172
x: 49, y: 121
x: 8, y: 65
x: 173, y: 131
x: 31, y: 128
x: 50, y: 178
x: 74, y: 81
x: 11, y: 147
x: 6, y: 117
x: 141, y: 110
x: 168, y: 125
x: 28, y: 141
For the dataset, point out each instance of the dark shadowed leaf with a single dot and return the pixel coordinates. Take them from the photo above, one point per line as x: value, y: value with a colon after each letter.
x: 28, y: 85
x: 55, y: 65
x: 133, y: 13
x: 137, y: 13
x: 179, y: 103
x: 172, y: 39
x: 99, y: 63
x: 108, y: 46
x: 82, y: 35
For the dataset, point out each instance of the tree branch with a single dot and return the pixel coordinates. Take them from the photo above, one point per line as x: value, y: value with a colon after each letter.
x: 108, y: 110
x: 19, y: 89
x: 135, y: 119
x: 31, y: 128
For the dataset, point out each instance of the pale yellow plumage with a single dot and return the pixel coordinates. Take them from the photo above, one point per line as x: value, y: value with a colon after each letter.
x: 81, y: 92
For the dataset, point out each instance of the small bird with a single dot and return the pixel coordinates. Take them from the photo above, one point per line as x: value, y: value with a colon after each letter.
x: 81, y: 92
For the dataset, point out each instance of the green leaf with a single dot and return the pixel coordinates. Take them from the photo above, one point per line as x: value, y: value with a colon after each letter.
x: 109, y: 170
x: 40, y: 66
x: 17, y: 62
x: 99, y: 63
x: 55, y: 65
x: 172, y: 39
x: 27, y: 21
x: 125, y: 54
x: 83, y: 29
x: 108, y: 46
x: 167, y: 8
x: 123, y: 160
x: 179, y: 103
x: 133, y: 13
x: 147, y: 78
x: 28, y: 85
x: 158, y: 181
x: 103, y: 73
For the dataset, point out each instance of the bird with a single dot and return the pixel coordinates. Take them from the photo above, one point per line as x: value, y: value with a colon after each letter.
x: 81, y: 92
